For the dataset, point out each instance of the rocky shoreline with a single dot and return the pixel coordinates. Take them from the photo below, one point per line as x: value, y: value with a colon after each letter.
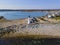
x: 32, y: 29
x: 43, y: 28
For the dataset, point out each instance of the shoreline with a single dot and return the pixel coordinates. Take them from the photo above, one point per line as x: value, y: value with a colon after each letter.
x: 42, y: 29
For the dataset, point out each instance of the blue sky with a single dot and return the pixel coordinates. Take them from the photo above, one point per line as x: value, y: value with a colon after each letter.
x: 29, y: 4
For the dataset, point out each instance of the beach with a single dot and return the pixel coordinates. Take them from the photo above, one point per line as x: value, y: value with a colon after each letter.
x: 19, y: 32
x: 41, y: 29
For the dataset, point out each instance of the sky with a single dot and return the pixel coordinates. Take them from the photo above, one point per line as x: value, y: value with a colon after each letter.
x: 29, y: 4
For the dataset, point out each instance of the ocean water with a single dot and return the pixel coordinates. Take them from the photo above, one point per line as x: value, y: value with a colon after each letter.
x: 12, y: 15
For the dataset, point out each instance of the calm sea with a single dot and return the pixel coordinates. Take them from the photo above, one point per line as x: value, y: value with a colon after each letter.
x: 12, y: 15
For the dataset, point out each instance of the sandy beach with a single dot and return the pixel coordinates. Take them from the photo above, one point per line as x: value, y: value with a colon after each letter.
x: 21, y: 28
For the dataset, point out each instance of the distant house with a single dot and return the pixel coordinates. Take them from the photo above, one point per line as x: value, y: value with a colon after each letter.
x: 51, y: 15
x: 57, y: 14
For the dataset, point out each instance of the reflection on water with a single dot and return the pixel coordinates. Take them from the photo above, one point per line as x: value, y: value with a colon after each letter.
x: 19, y: 41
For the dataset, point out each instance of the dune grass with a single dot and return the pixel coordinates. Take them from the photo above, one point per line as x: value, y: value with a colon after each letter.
x: 23, y: 36
x: 57, y: 18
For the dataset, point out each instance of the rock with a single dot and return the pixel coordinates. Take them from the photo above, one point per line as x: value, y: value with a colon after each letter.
x: 2, y: 17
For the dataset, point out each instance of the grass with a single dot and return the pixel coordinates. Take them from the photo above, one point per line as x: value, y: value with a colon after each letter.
x: 57, y: 18
x: 19, y: 35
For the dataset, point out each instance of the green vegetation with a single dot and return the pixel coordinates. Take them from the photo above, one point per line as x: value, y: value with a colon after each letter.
x: 22, y: 36
x: 57, y: 18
